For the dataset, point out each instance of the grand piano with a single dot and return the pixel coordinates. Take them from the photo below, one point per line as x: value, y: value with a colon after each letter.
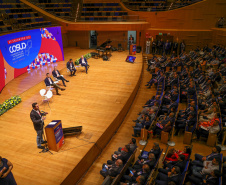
x: 105, y: 48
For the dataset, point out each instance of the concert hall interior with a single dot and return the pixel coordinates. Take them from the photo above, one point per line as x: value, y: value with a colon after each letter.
x: 113, y: 92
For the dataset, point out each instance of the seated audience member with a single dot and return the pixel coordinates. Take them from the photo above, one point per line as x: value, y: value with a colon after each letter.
x: 151, y: 102
x: 144, y: 124
x: 84, y: 63
x: 173, y: 175
x: 208, y: 117
x: 186, y: 152
x: 171, y: 155
x: 124, y: 155
x: 199, y: 158
x: 210, y: 179
x: 156, y: 80
x: 155, y: 150
x: 208, y: 167
x: 132, y: 145
x: 181, y: 163
x: 159, y: 127
x: 71, y: 67
x: 205, y: 130
x: 56, y: 74
x: 150, y: 114
x: 112, y: 170
x: 180, y: 124
x: 49, y: 82
x: 134, y: 173
x: 140, y: 180
x: 150, y: 161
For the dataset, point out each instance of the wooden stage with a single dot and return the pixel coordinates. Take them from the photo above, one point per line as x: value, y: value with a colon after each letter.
x: 98, y: 101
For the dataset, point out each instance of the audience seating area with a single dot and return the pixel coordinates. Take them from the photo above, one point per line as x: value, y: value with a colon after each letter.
x: 58, y: 8
x: 102, y: 12
x: 153, y: 5
x: 199, y: 78
x: 157, y: 5
x: 16, y: 15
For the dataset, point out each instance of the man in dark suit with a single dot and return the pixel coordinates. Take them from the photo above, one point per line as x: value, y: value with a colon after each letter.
x: 173, y: 175
x: 135, y: 173
x: 112, y: 170
x: 71, y: 67
x: 210, y: 179
x: 181, y: 163
x: 56, y: 74
x: 167, y: 47
x: 49, y: 82
x: 38, y: 121
x: 175, y: 46
x: 84, y: 63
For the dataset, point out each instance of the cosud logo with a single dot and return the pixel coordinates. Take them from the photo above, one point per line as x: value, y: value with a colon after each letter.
x: 17, y: 47
x: 20, y: 49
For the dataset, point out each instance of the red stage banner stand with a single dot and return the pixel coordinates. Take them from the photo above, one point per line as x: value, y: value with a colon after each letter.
x: 54, y: 134
x: 132, y: 49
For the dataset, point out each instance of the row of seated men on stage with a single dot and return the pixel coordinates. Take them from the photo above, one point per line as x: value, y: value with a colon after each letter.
x: 201, y: 171
x: 56, y: 74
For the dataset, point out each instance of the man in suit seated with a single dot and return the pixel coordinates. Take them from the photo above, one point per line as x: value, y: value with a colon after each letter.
x: 173, y: 175
x: 49, y: 82
x: 140, y: 180
x: 112, y: 170
x: 56, y: 74
x: 208, y: 167
x: 135, y: 173
x: 124, y: 155
x: 169, y: 98
x: 132, y: 145
x: 210, y: 179
x: 144, y: 124
x: 150, y: 161
x: 199, y: 159
x: 180, y: 124
x: 71, y: 67
x: 84, y: 63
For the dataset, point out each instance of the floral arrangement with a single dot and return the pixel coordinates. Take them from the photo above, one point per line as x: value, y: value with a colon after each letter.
x: 87, y: 56
x: 8, y: 104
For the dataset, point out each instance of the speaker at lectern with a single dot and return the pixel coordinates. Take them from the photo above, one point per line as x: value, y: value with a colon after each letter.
x: 54, y: 134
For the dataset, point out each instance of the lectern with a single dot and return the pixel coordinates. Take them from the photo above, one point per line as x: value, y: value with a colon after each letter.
x: 54, y: 134
x: 132, y: 49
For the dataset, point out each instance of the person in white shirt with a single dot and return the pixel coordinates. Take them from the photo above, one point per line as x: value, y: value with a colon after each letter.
x: 148, y: 43
x: 84, y: 63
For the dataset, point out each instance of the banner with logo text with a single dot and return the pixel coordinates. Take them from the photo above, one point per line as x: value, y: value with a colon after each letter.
x: 24, y: 51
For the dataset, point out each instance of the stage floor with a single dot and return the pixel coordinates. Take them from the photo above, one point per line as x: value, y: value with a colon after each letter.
x: 91, y: 100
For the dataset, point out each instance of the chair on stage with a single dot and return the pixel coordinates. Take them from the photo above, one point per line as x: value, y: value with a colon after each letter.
x: 46, y: 95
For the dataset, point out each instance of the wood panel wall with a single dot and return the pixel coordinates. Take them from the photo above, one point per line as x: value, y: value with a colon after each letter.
x: 81, y: 37
x: 219, y: 36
